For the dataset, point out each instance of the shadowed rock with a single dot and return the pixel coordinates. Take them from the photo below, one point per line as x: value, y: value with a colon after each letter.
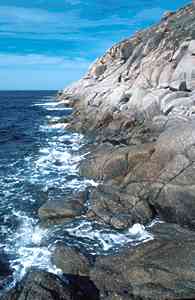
x: 5, y: 269
x: 39, y: 285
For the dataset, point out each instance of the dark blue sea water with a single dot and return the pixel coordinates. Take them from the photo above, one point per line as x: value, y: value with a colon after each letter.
x: 39, y: 161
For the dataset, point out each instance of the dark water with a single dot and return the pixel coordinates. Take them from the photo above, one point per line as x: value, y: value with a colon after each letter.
x: 40, y: 162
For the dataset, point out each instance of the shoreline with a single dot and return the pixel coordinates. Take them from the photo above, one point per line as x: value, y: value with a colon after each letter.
x: 137, y: 105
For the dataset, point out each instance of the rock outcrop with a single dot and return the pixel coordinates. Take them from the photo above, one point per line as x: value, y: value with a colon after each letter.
x: 138, y: 100
x: 71, y: 261
x: 59, y: 211
x: 138, y: 104
x: 151, y: 73
x: 146, y: 180
x: 39, y: 285
x: 160, y: 269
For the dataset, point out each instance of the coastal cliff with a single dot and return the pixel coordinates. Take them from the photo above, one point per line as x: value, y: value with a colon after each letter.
x: 149, y: 74
x: 137, y: 105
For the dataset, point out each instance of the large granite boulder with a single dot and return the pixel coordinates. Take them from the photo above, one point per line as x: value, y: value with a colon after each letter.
x: 105, y: 163
x: 126, y: 50
x: 172, y: 99
x: 60, y: 209
x: 120, y: 208
x: 76, y: 267
x: 99, y: 70
x: 70, y: 260
x: 184, y: 75
x: 160, y: 269
x: 168, y: 174
x: 145, y: 180
x: 175, y: 203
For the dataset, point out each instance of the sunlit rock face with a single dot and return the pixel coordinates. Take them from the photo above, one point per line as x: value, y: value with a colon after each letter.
x: 141, y: 95
x: 136, y: 74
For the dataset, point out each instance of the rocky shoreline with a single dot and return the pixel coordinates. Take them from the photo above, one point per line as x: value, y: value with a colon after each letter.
x: 137, y: 105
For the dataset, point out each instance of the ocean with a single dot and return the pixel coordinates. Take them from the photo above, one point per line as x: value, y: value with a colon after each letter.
x: 39, y: 160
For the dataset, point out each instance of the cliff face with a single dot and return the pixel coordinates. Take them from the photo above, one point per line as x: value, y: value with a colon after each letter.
x: 150, y: 73
x: 138, y: 100
x: 140, y: 96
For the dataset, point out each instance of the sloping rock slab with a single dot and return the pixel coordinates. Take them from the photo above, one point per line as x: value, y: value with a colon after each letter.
x: 60, y: 209
x: 70, y: 260
x: 160, y: 269
x: 119, y: 208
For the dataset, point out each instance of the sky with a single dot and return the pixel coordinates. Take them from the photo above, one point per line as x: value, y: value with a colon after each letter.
x: 47, y: 44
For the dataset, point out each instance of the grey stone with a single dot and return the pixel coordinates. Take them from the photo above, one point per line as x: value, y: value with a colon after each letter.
x: 39, y: 285
x: 60, y: 209
x: 70, y: 260
x: 160, y: 269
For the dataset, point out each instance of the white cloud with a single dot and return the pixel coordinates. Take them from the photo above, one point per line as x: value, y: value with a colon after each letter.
x: 39, y: 71
x: 42, y: 61
x: 44, y: 71
x: 19, y: 20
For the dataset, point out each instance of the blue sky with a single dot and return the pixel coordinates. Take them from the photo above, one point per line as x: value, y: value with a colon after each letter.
x: 46, y: 44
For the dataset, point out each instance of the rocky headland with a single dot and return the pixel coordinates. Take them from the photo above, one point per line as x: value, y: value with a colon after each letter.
x: 137, y: 105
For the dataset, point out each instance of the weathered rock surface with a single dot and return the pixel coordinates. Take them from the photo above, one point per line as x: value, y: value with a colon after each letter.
x: 119, y: 208
x: 39, y: 285
x: 106, y: 162
x: 139, y: 102
x: 67, y: 209
x: 137, y: 75
x: 70, y: 261
x: 160, y: 269
x: 147, y: 179
x: 163, y: 268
